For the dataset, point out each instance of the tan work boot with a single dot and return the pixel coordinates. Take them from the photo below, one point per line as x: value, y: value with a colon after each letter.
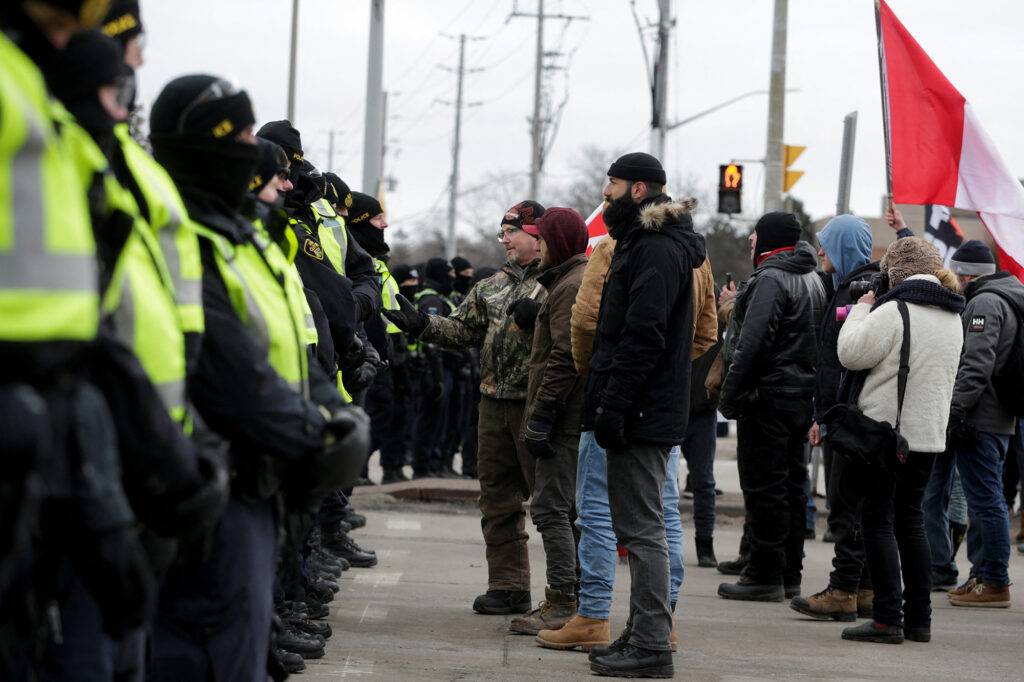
x: 984, y: 594
x: 552, y: 613
x: 831, y: 603
x: 865, y: 603
x: 966, y: 588
x: 580, y: 631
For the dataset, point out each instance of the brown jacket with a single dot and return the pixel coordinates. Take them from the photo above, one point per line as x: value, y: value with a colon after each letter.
x: 588, y: 304
x: 555, y: 391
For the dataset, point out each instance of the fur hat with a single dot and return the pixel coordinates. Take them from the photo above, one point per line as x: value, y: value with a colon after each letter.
x: 910, y: 256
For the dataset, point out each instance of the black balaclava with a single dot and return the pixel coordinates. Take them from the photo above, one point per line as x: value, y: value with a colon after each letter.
x: 365, y: 207
x: 272, y: 161
x: 340, y: 188
x: 308, y: 186
x: 90, y: 60
x: 284, y: 134
x: 402, y: 273
x: 193, y: 125
x: 437, y: 276
x: 123, y: 21
x: 27, y: 35
x: 462, y: 283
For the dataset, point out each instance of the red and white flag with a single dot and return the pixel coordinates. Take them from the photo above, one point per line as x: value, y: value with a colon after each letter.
x: 596, y: 229
x: 938, y: 151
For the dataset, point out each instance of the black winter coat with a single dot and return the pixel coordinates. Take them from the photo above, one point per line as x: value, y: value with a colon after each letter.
x: 772, y: 344
x: 641, y: 360
x: 830, y: 370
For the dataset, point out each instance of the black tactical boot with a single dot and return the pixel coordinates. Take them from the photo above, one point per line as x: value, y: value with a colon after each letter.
x: 733, y: 567
x: 747, y: 589
x: 297, y: 642
x: 292, y: 663
x: 343, y: 546
x: 705, y: 552
x: 502, y: 602
x: 617, y: 645
x: 353, y: 518
x: 875, y: 632
x: 632, y: 661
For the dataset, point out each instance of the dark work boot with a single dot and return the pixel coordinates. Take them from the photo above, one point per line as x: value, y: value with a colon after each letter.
x: 875, y: 632
x: 503, y: 602
x: 705, y: 552
x: 632, y: 661
x: 292, y: 663
x: 733, y: 567
x: 618, y: 645
x: 747, y: 589
x: 353, y: 518
x: 297, y: 642
x: 343, y: 546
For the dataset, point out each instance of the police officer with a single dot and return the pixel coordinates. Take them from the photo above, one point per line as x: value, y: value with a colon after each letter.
x: 253, y: 385
x: 56, y: 431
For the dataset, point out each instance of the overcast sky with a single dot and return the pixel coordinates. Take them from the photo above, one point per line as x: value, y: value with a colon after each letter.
x: 719, y: 50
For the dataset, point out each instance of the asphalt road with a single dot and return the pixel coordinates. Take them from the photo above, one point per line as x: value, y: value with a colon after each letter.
x: 410, y: 619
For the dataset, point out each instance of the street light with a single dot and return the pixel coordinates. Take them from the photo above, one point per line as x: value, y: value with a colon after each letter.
x: 722, y: 105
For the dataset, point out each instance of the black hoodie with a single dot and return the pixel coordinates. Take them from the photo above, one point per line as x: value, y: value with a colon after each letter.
x: 771, y: 345
x: 641, y: 360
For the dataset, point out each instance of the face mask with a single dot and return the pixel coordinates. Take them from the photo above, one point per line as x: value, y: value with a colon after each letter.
x: 409, y: 291
x: 463, y: 284
x: 221, y: 169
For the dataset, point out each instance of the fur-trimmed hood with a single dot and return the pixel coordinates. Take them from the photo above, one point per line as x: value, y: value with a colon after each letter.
x: 655, y: 216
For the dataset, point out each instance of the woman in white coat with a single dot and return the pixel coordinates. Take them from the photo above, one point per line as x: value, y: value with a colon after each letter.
x: 870, y: 342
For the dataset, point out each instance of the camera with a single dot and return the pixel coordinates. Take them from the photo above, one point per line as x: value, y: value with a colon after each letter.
x: 879, y: 283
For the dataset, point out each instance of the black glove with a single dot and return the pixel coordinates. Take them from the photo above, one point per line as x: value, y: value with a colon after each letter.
x: 610, y: 428
x: 201, y: 510
x: 960, y: 433
x: 536, y: 437
x: 524, y: 312
x: 736, y: 407
x: 407, y: 317
x: 337, y: 465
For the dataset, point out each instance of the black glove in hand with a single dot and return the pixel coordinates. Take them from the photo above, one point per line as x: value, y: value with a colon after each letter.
x: 337, y: 465
x: 524, y: 312
x: 960, y: 433
x: 610, y: 428
x: 536, y: 437
x: 407, y: 317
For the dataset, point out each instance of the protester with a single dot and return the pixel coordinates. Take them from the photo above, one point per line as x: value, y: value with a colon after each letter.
x: 551, y: 421
x: 638, y: 389
x: 870, y: 342
x: 981, y: 424
x: 768, y: 388
x: 505, y: 466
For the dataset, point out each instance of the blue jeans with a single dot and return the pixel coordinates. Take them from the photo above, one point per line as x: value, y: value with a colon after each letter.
x: 935, y: 506
x: 597, y: 554
x: 981, y: 472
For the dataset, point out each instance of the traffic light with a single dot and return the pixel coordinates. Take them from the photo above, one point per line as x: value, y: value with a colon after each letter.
x: 790, y: 154
x: 730, y: 187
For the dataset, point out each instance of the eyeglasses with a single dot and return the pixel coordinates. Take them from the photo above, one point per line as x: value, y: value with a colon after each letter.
x: 507, y: 232
x: 218, y: 89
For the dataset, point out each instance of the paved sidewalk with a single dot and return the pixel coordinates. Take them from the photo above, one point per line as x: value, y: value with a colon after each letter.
x: 410, y: 619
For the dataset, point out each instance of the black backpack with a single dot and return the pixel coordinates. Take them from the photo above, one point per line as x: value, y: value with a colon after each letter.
x: 1009, y: 380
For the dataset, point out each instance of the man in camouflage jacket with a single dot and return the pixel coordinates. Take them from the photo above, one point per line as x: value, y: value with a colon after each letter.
x: 488, y: 318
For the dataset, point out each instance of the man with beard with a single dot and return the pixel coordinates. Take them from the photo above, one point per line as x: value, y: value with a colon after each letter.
x: 505, y: 466
x: 384, y: 401
x: 771, y: 357
x: 288, y: 429
x: 638, y: 390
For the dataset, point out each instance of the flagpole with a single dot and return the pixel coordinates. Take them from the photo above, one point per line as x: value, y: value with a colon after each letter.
x: 885, y: 103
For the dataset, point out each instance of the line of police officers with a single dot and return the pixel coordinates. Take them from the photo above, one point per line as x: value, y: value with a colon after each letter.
x: 181, y: 338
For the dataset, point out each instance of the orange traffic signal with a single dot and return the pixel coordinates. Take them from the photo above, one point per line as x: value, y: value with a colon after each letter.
x: 730, y: 187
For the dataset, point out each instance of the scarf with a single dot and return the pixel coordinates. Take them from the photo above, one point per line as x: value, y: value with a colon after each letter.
x: 924, y: 292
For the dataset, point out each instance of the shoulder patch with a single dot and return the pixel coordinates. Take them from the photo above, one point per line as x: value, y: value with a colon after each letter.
x: 312, y: 249
x: 977, y: 323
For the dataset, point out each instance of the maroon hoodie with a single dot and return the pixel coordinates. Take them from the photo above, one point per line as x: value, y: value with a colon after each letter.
x: 564, y: 232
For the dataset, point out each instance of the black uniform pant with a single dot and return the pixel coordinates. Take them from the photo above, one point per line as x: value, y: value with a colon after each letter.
x: 773, y: 473
x: 388, y: 411
x: 849, y: 566
x: 430, y: 429
x: 470, y: 443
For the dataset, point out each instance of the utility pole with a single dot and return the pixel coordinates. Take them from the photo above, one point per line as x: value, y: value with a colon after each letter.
x: 292, y: 59
x: 451, y: 240
x: 659, y: 80
x: 373, y: 136
x: 538, y: 120
x: 330, y: 150
x: 776, y: 111
x: 846, y: 163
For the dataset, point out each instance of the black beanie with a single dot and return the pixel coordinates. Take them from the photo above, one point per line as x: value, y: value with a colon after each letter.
x: 636, y: 167
x: 973, y: 258
x: 363, y: 208
x: 459, y: 264
x: 437, y: 270
x: 340, y: 188
x: 402, y: 272
x: 273, y: 160
x: 89, y: 60
x: 776, y: 230
x: 124, y: 21
x: 284, y: 134
x: 203, y: 105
